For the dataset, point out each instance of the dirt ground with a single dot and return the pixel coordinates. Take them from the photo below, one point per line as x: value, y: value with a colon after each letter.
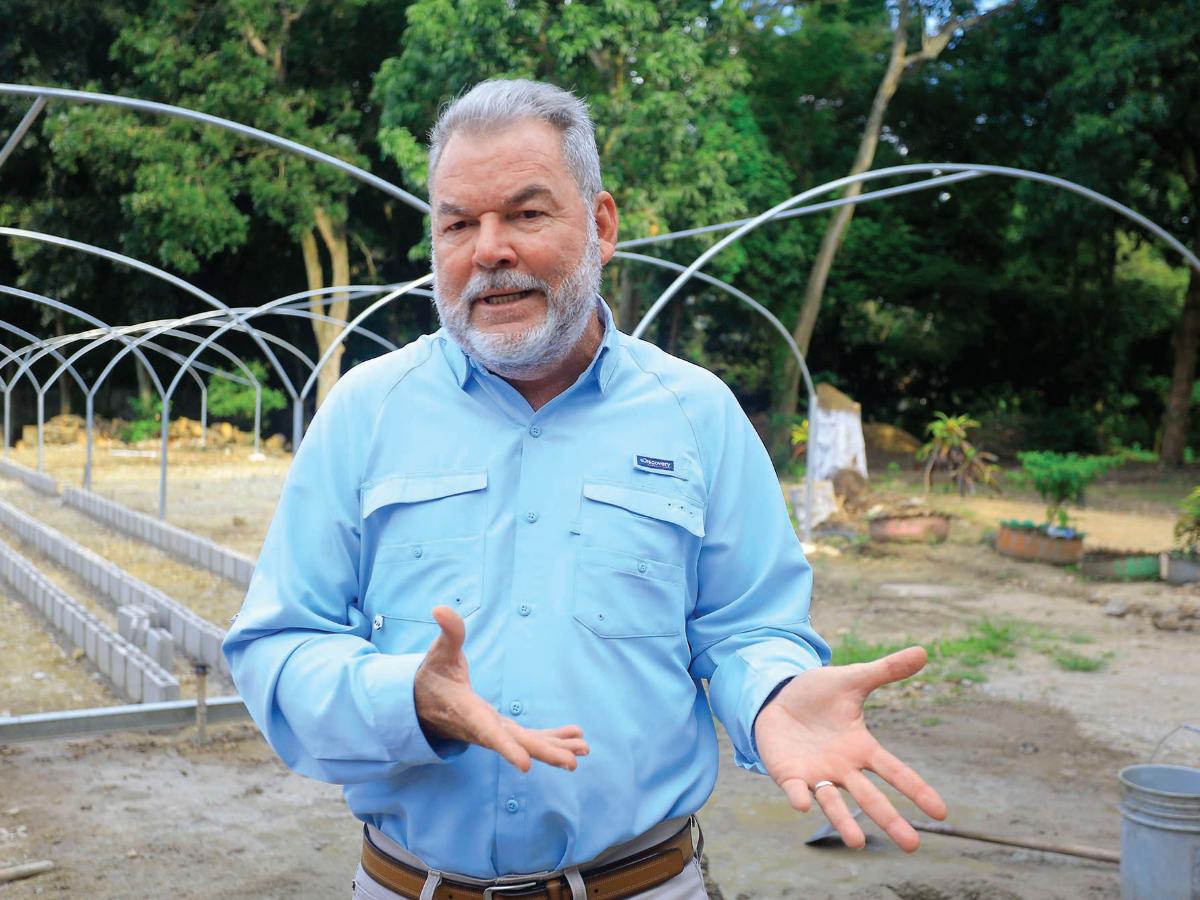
x: 1022, y: 745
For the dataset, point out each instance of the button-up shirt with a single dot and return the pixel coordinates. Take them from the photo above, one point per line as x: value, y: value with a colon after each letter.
x: 609, y: 552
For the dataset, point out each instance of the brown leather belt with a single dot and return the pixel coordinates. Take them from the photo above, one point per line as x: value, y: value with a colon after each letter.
x: 615, y: 881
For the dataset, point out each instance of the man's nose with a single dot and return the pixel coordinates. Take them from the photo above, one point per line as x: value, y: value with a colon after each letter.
x: 493, y: 246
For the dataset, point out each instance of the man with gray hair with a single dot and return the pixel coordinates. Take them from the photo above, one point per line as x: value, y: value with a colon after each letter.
x: 592, y: 523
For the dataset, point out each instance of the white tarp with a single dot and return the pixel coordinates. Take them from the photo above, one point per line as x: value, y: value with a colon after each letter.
x: 839, y: 440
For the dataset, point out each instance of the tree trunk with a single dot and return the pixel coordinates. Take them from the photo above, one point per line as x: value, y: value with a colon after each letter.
x: 1184, y: 345
x: 337, y: 246
x: 899, y: 62
x: 831, y: 241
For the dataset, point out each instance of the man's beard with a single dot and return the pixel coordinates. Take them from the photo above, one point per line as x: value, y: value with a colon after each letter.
x: 528, y: 353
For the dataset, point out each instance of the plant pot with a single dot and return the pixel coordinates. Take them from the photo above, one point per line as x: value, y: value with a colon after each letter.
x: 931, y: 529
x: 1032, y: 544
x: 1114, y: 565
x: 1176, y: 568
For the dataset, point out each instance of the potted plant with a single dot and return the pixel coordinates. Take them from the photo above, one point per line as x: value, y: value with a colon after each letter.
x: 1182, y: 566
x: 949, y: 448
x: 910, y: 524
x: 1058, y: 478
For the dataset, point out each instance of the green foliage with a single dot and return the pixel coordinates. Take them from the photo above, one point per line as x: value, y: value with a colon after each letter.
x: 1059, y: 477
x: 949, y: 448
x: 950, y: 659
x: 145, y: 420
x: 1187, y: 526
x: 1070, y: 661
x: 232, y: 400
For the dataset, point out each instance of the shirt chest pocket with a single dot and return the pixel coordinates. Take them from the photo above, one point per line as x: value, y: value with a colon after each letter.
x: 427, y: 531
x: 630, y: 580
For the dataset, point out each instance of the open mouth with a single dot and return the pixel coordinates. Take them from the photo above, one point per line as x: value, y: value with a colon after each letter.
x: 502, y: 299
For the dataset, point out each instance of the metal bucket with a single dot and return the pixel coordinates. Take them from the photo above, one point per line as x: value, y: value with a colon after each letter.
x: 1160, y: 832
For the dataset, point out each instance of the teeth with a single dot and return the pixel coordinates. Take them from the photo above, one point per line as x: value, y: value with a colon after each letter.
x: 504, y: 298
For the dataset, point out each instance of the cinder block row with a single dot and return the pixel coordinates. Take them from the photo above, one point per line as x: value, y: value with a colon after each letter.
x: 39, y: 481
x: 180, y: 543
x: 198, y: 639
x: 133, y: 673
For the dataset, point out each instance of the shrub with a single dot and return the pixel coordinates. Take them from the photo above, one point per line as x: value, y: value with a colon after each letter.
x: 145, y: 422
x: 950, y: 447
x: 1187, y: 526
x: 1060, y: 477
x: 232, y: 400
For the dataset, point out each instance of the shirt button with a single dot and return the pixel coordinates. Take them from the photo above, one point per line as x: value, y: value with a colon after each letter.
x: 535, y: 430
x: 531, y: 516
x: 515, y: 707
x: 524, y: 609
x: 416, y: 552
x: 512, y: 805
x: 642, y: 568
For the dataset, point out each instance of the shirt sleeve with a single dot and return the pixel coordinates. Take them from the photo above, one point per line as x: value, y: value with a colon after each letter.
x: 330, y: 704
x: 750, y: 629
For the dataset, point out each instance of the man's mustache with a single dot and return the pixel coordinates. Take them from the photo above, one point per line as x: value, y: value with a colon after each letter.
x: 507, y: 281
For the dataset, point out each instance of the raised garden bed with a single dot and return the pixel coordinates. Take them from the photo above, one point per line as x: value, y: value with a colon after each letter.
x: 1040, y: 543
x: 1179, y: 568
x: 1120, y: 565
x: 922, y: 528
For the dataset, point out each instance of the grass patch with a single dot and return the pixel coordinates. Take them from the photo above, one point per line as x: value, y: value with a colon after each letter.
x: 1081, y: 639
x: 955, y: 659
x: 931, y: 721
x: 1075, y: 662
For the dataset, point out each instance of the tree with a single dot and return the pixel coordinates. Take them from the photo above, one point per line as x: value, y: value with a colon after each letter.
x: 665, y: 82
x: 937, y: 24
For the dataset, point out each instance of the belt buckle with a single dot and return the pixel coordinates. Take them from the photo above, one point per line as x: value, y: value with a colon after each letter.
x: 509, y: 888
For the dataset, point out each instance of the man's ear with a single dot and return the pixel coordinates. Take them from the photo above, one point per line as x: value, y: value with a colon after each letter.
x: 606, y: 224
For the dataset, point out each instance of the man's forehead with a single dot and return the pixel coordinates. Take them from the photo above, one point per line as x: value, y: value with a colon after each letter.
x: 512, y: 164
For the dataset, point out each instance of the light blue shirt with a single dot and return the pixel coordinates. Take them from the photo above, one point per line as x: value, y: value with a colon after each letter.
x: 609, y: 553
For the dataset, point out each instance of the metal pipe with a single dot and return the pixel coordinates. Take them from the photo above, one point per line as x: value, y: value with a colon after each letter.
x: 180, y: 112
x: 807, y: 210
x: 23, y: 126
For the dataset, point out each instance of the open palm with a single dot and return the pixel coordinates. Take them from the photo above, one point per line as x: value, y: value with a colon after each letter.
x: 813, y: 731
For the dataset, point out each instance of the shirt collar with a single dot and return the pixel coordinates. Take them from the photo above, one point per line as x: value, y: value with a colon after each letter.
x: 600, y: 370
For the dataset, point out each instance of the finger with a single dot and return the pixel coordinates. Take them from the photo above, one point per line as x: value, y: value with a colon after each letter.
x: 572, y: 741
x: 541, y: 748
x: 496, y: 736
x: 454, y: 630
x: 563, y: 731
x: 834, y: 807
x: 891, y: 668
x: 797, y: 793
x: 907, y: 782
x: 882, y: 813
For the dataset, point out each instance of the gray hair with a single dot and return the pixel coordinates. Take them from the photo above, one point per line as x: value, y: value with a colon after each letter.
x: 501, y: 102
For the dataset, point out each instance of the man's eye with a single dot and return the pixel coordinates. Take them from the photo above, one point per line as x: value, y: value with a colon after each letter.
x: 456, y: 226
x: 530, y: 213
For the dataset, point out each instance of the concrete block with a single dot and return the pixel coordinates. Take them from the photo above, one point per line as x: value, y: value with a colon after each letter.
x: 228, y: 566
x: 210, y: 645
x: 126, y: 617
x: 91, y: 637
x: 104, y: 653
x: 192, y: 640
x: 177, y: 625
x: 118, y: 659
x: 133, y: 680
x: 160, y: 647
x: 78, y: 628
x: 159, y: 688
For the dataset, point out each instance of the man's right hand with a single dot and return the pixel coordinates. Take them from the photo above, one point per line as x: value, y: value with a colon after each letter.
x: 448, y: 708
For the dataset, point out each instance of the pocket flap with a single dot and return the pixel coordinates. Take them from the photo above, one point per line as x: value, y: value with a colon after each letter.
x: 678, y: 510
x: 419, y: 488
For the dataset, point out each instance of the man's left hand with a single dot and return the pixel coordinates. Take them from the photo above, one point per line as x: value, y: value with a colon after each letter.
x: 813, y: 731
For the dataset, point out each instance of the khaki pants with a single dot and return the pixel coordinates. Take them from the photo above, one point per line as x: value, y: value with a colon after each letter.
x: 687, y: 885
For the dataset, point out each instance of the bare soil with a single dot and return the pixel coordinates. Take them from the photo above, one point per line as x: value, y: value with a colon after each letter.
x: 1032, y: 751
